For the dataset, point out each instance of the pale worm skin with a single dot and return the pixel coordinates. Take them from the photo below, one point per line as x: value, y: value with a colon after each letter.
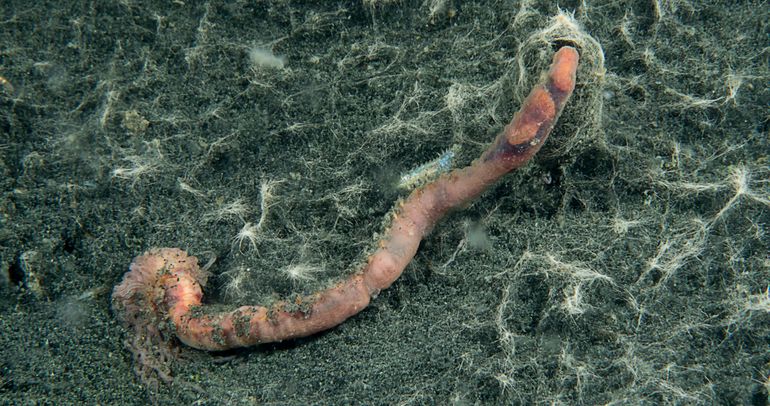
x: 166, y: 283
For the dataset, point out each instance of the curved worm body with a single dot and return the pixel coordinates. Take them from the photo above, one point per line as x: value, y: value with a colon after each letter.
x: 166, y: 283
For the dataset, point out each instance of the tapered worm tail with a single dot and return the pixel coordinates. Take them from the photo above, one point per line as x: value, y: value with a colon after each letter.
x: 166, y: 283
x: 528, y: 130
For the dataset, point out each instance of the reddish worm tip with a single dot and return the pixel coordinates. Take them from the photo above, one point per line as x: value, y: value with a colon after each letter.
x: 564, y: 69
